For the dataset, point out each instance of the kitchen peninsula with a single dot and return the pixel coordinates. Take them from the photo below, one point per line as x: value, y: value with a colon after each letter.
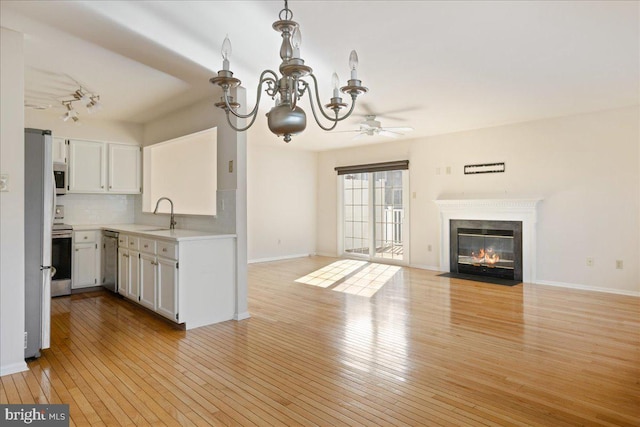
x: 187, y: 276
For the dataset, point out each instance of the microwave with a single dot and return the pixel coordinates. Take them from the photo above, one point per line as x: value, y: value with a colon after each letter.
x: 60, y: 174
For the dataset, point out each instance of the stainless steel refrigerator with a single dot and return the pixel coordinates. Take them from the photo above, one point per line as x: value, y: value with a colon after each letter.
x: 39, y: 207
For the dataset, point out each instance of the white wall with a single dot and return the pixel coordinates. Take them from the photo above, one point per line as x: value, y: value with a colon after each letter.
x: 195, y: 118
x: 585, y: 168
x: 281, y: 204
x: 12, y: 203
x: 92, y: 128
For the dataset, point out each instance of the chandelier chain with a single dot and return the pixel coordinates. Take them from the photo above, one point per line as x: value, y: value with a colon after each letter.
x: 288, y: 14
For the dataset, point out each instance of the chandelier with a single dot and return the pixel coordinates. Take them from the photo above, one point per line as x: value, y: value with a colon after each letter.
x: 286, y: 118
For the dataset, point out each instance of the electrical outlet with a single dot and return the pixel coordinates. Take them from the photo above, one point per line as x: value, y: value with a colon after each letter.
x: 4, y: 182
x: 448, y: 170
x: 25, y: 340
x: 413, y: 194
x: 230, y: 166
x: 619, y: 264
x: 429, y: 248
x: 589, y: 262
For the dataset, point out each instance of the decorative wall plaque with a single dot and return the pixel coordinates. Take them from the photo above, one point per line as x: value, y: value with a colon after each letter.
x: 484, y: 168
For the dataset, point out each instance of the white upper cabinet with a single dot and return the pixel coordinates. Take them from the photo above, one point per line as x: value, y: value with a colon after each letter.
x: 100, y: 167
x: 87, y: 166
x: 59, y: 150
x: 124, y: 168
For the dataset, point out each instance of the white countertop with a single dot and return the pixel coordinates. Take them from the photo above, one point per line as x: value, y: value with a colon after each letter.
x: 155, y: 231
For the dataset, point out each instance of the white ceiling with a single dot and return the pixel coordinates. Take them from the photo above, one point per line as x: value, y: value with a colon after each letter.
x: 438, y: 66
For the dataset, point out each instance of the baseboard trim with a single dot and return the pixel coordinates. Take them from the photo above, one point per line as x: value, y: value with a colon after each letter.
x: 426, y: 267
x: 241, y: 316
x: 277, y: 258
x: 14, y: 368
x: 326, y: 254
x: 587, y: 288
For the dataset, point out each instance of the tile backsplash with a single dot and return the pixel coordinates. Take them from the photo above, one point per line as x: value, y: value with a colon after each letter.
x: 82, y: 209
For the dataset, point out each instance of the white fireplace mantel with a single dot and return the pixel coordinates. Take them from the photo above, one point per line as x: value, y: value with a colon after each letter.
x: 524, y: 210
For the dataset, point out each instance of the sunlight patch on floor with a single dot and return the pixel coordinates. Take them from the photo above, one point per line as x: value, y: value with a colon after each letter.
x: 355, y: 277
x: 332, y: 273
x: 368, y: 281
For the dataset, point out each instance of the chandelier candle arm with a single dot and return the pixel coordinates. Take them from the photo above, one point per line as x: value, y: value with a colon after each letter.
x: 227, y: 100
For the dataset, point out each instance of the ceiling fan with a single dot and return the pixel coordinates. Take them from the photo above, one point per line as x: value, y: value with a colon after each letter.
x: 370, y: 127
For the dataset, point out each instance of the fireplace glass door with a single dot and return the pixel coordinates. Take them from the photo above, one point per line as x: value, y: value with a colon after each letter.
x: 486, y: 252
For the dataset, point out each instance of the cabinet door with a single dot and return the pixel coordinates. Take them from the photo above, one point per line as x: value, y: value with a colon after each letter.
x: 87, y: 166
x: 123, y: 271
x: 124, y: 169
x: 84, y: 265
x: 59, y: 152
x: 134, y: 276
x: 148, y: 272
x: 167, y: 289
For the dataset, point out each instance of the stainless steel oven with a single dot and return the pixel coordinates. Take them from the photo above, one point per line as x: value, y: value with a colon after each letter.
x: 61, y: 259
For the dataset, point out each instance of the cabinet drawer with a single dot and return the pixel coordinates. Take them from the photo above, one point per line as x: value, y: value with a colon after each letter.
x: 85, y: 237
x: 148, y: 246
x: 167, y: 249
x: 123, y: 241
x: 134, y: 243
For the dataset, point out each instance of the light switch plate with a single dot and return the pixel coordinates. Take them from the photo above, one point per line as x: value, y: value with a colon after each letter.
x: 4, y: 182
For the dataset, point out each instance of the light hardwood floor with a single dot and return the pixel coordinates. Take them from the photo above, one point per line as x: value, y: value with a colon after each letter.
x: 424, y: 350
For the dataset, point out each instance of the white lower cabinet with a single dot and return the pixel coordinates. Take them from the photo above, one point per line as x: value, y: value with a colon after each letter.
x: 148, y: 279
x: 124, y: 271
x: 133, y: 292
x: 129, y: 273
x: 86, y: 259
x: 168, y: 288
x: 190, y: 282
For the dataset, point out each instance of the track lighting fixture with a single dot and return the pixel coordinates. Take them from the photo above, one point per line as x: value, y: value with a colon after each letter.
x: 91, y: 102
x: 70, y: 113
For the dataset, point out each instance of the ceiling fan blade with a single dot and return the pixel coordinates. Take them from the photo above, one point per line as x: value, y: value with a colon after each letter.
x: 358, y: 136
x: 368, y: 110
x: 388, y: 133
x: 398, y: 129
x: 345, y: 131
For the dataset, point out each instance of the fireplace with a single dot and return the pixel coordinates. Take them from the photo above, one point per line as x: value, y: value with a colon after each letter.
x: 486, y: 248
x: 490, y: 209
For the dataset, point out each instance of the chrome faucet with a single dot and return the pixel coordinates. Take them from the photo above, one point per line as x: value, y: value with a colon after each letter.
x: 172, y: 224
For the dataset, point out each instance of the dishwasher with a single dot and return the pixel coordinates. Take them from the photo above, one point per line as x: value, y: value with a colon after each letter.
x: 110, y: 260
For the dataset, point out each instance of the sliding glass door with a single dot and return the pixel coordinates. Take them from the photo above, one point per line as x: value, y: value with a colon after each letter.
x: 374, y: 206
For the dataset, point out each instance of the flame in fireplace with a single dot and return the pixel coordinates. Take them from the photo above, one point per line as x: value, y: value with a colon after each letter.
x: 486, y: 256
